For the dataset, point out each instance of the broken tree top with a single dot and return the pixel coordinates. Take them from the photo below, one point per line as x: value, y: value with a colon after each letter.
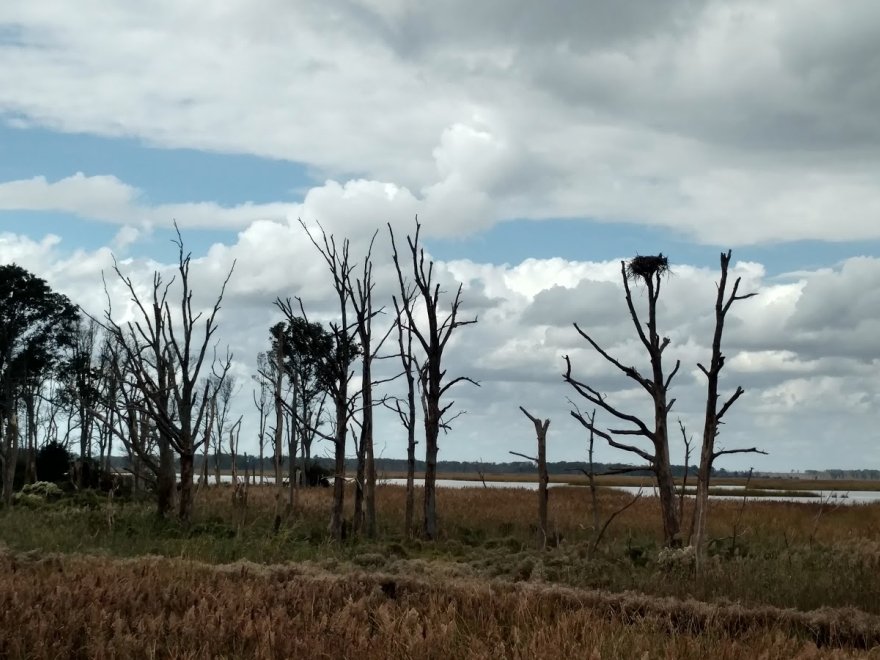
x: 646, y: 266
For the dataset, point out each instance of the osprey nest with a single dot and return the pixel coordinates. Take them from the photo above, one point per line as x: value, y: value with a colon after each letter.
x: 646, y: 266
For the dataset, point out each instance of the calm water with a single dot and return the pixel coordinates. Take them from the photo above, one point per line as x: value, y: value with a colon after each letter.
x: 833, y: 497
x: 464, y: 483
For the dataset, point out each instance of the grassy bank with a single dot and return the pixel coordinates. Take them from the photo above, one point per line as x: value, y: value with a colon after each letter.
x: 796, y: 555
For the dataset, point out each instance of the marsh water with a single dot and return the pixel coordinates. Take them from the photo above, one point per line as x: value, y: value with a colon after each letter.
x: 829, y: 496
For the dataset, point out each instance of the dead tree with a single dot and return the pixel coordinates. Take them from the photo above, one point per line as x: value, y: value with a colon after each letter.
x: 337, y: 369
x: 209, y: 430
x: 599, y: 528
x: 221, y: 402
x: 433, y: 338
x: 714, y: 413
x: 165, y: 356
x: 408, y: 415
x: 261, y: 403
x: 277, y: 366
x: 650, y: 271
x: 361, y: 295
x: 108, y: 390
x: 234, y: 436
x: 687, y: 440
x: 540, y: 461
x: 83, y: 386
x: 136, y: 432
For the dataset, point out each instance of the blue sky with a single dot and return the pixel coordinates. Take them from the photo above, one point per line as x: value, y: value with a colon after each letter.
x: 537, y: 150
x: 183, y: 175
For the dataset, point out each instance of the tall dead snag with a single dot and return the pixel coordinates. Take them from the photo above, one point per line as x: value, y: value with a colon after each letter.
x: 687, y: 440
x: 599, y: 528
x: 362, y: 302
x: 365, y: 484
x: 123, y: 401
x: 407, y: 416
x: 540, y: 460
x: 222, y: 400
x: 714, y: 413
x: 337, y: 370
x: 277, y: 371
x: 164, y: 356
x: 433, y: 340
x: 261, y: 403
x: 649, y: 270
x: 82, y: 386
x: 234, y: 437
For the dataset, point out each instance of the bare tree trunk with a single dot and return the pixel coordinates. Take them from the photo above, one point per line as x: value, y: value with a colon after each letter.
x: 205, y: 460
x: 166, y: 480
x: 650, y: 271
x: 410, y: 471
x: 684, y: 480
x: 714, y: 414
x: 357, y: 521
x: 291, y: 456
x: 432, y: 431
x: 233, y: 456
x: 260, y: 404
x: 339, y: 365
x: 209, y: 429
x: 233, y: 448
x: 10, y: 456
x: 106, y: 465
x: 186, y: 487
x: 85, y: 445
x: 543, y: 482
x: 370, y: 485
x: 408, y: 416
x: 668, y: 503
x: 217, y: 479
x: 279, y: 430
x: 337, y: 512
x: 30, y: 474
x: 543, y: 476
x: 362, y: 302
x: 433, y: 340
x: 307, y: 462
x: 134, y: 441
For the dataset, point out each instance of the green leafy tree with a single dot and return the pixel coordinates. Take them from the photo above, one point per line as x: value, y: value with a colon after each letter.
x: 37, y: 328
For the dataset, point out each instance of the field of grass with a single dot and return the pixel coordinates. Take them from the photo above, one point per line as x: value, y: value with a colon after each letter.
x: 169, y: 608
x: 787, y: 579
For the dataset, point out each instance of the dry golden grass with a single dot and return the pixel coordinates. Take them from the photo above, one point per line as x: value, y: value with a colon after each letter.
x: 86, y: 607
x: 483, y: 589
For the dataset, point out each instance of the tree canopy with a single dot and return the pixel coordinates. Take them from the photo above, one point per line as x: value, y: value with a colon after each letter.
x: 37, y: 326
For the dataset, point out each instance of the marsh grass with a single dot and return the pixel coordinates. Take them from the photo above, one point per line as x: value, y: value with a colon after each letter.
x: 786, y: 555
x: 170, y: 608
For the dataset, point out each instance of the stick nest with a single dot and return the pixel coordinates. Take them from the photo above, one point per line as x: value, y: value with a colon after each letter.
x: 646, y: 266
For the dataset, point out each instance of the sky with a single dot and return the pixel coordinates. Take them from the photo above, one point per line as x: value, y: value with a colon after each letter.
x: 539, y: 144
